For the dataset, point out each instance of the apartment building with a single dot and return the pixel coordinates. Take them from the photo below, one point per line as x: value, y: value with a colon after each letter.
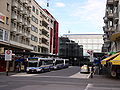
x: 53, y: 26
x: 5, y: 22
x: 20, y: 25
x: 26, y: 26
x: 89, y: 41
x: 39, y: 29
x: 112, y: 26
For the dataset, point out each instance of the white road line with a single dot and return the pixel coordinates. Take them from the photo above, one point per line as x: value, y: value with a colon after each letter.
x: 24, y: 75
x: 79, y: 75
x: 3, y: 86
x: 88, y: 86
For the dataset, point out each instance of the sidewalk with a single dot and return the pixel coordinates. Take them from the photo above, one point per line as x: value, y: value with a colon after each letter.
x: 9, y: 73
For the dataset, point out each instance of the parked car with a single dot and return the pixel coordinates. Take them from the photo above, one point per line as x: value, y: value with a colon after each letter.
x: 84, y: 69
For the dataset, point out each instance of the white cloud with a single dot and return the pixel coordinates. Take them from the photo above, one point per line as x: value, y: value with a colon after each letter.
x: 59, y: 4
x: 92, y: 10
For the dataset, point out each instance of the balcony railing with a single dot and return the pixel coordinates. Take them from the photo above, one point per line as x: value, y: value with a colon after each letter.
x: 105, y: 19
x: 110, y: 15
x: 105, y: 29
x: 109, y: 2
x: 25, y: 1
x: 13, y: 28
x: 19, y: 19
x: 45, y: 37
x: 21, y: 45
x: 14, y: 16
x: 45, y: 21
x: 14, y: 3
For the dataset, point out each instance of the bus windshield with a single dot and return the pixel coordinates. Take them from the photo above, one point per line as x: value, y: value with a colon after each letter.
x: 46, y: 62
x: 32, y: 64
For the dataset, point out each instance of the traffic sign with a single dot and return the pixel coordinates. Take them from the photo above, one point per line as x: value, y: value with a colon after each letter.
x: 8, y: 55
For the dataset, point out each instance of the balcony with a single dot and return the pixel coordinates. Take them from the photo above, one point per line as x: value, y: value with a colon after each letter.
x: 20, y: 8
x: 45, y: 22
x: 14, y: 4
x: 14, y: 16
x: 13, y: 28
x: 19, y: 31
x: 116, y: 17
x: 28, y: 25
x: 105, y: 36
x: 19, y: 20
x: 24, y: 46
x: 110, y: 2
x: 106, y: 40
x: 44, y: 45
x: 106, y: 45
x: 25, y: 2
x: 29, y: 6
x: 116, y: 2
x: 45, y: 28
x: 45, y: 37
x: 105, y: 29
x: 105, y: 19
x: 25, y: 11
x: 110, y: 15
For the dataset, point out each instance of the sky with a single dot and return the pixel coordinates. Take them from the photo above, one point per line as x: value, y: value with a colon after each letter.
x: 77, y: 16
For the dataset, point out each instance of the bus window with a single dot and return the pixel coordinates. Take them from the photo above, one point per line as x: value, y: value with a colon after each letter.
x: 32, y: 64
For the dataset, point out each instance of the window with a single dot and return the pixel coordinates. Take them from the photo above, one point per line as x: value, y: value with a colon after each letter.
x: 6, y: 36
x: 35, y: 29
x: 1, y: 34
x: 37, y: 11
x: 40, y: 41
x: 33, y: 9
x: 8, y: 7
x: 7, y: 20
x: 32, y: 37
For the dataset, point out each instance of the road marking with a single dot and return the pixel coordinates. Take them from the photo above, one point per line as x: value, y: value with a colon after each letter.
x: 79, y: 75
x: 3, y: 86
x: 88, y: 86
x: 24, y: 74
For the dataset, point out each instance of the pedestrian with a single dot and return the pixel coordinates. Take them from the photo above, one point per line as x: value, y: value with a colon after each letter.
x: 92, y: 72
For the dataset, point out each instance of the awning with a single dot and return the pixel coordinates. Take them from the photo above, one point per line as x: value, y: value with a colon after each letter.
x: 115, y: 36
x: 109, y: 58
x: 20, y: 60
x: 116, y: 60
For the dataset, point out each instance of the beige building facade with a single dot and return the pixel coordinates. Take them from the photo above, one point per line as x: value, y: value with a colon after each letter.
x: 39, y: 29
x: 20, y: 24
x: 26, y: 27
x: 5, y: 23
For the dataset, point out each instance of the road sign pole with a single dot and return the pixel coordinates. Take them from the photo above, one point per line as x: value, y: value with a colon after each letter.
x: 7, y: 68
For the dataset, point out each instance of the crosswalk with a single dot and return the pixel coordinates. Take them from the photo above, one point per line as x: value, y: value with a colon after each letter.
x: 77, y: 75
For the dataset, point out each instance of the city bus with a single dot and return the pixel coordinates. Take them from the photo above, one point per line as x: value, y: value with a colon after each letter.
x: 60, y: 63
x: 38, y: 64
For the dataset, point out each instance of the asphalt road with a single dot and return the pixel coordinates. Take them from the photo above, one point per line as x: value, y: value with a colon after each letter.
x: 66, y: 79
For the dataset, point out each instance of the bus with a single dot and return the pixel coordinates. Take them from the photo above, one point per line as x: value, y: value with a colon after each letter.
x: 38, y: 64
x: 60, y: 63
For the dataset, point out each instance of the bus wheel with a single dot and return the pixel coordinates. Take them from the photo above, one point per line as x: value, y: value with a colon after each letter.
x: 113, y: 74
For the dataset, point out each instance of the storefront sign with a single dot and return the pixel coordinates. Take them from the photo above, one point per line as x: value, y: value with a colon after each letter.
x: 2, y: 18
x: 8, y: 55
